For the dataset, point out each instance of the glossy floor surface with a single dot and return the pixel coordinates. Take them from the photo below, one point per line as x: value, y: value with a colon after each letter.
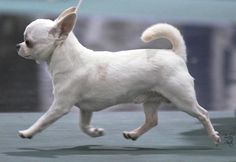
x: 177, y: 138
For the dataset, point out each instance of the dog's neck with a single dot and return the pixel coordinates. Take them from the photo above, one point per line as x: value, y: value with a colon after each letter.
x: 67, y: 55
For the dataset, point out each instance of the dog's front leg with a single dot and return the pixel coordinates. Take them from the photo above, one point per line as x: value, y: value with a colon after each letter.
x: 57, y: 110
x: 85, y: 119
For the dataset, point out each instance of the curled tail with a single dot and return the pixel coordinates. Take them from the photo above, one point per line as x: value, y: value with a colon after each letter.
x: 168, y: 32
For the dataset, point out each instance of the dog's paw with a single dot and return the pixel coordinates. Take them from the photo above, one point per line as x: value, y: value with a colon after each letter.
x: 129, y: 136
x: 96, y: 132
x: 24, y: 134
x: 216, y: 138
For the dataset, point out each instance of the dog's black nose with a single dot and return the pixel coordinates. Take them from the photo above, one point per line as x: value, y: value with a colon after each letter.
x: 17, y: 47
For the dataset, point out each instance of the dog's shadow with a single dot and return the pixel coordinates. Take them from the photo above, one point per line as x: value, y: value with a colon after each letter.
x: 105, y: 150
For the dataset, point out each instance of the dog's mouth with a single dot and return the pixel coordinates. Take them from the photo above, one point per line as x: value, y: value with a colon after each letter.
x: 26, y: 56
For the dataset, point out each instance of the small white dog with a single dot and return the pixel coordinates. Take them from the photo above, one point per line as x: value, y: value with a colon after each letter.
x: 96, y: 80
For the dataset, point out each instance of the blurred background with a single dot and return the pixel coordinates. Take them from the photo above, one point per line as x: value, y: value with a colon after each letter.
x: 208, y: 27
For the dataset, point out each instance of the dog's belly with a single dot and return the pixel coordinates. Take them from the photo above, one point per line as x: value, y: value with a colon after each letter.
x: 100, y: 103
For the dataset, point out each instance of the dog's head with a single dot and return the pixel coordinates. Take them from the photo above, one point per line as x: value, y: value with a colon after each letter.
x: 42, y: 36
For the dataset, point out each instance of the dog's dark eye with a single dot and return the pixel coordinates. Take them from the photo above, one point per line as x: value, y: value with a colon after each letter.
x: 28, y: 44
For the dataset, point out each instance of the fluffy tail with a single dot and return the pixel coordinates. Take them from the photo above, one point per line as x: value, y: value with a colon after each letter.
x: 168, y: 32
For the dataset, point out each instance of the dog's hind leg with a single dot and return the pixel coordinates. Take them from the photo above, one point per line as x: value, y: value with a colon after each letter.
x: 85, y: 119
x: 179, y: 90
x: 151, y: 120
x: 205, y: 120
x: 202, y: 115
x: 187, y: 102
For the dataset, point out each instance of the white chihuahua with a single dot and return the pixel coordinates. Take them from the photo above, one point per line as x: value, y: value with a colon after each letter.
x: 96, y: 80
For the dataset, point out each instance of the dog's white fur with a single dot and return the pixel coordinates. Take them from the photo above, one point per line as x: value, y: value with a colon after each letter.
x: 96, y: 80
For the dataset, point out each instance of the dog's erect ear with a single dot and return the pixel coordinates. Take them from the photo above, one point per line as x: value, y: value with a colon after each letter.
x: 64, y: 26
x: 66, y: 12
